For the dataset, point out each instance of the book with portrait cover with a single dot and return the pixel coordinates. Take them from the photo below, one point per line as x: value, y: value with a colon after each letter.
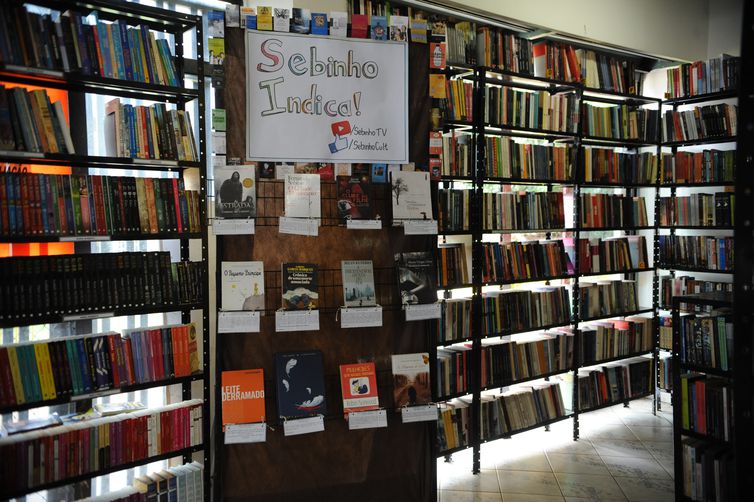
x: 416, y: 277
x: 358, y: 283
x: 300, y: 384
x: 216, y: 23
x: 355, y: 196
x: 302, y: 195
x: 235, y: 192
x: 242, y: 393
x: 300, y: 290
x: 358, y: 384
x: 411, y: 379
x: 242, y: 285
x: 410, y: 196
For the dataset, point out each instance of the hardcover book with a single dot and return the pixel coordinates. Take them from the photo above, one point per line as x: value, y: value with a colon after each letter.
x: 242, y: 394
x: 358, y: 384
x: 301, y: 20
x: 235, y: 192
x: 242, y: 285
x: 411, y: 379
x: 355, y: 196
x: 410, y: 196
x: 300, y: 291
x: 358, y: 283
x: 300, y: 383
x: 416, y: 277
x: 302, y: 195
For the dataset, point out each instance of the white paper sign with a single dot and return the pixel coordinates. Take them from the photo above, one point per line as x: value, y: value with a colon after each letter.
x: 296, y: 320
x: 230, y: 226
x: 422, y: 312
x: 361, y: 317
x: 91, y: 315
x: 423, y: 413
x: 420, y: 227
x: 85, y: 238
x: 298, y: 226
x: 238, y: 322
x: 371, y: 419
x: 336, y: 100
x: 364, y: 224
x: 93, y: 395
x: 245, y: 433
x: 303, y: 425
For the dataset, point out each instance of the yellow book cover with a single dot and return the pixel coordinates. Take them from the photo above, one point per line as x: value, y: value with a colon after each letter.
x: 264, y: 18
x: 437, y: 86
x: 45, y: 371
x: 141, y: 197
x: 16, y: 372
x: 39, y: 97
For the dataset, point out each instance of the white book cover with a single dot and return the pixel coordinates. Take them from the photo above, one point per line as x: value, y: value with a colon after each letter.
x: 302, y: 196
x: 281, y: 19
x: 235, y: 192
x: 242, y: 285
x: 399, y: 28
x: 338, y: 24
x: 410, y: 196
x: 232, y: 17
x: 358, y: 283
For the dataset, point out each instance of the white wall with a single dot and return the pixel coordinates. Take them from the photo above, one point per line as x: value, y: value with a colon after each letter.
x: 724, y: 29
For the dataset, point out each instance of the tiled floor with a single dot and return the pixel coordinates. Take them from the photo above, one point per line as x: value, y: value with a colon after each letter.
x: 623, y: 454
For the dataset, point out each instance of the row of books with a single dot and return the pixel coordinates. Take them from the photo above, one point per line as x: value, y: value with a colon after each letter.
x: 608, y: 166
x: 505, y: 106
x: 72, y: 42
x: 507, y: 158
x: 686, y: 285
x: 80, y: 447
x: 699, y: 209
x: 149, y: 132
x: 455, y: 321
x: 513, y: 261
x: 707, y: 406
x: 696, y: 251
x: 665, y: 370
x: 621, y: 122
x: 453, y: 210
x: 453, y: 370
x: 613, y: 383
x: 181, y: 483
x: 519, y: 310
x: 31, y: 122
x: 709, y: 470
x: 703, y: 77
x: 699, y: 167
x: 76, y: 284
x: 460, y: 100
x: 78, y: 205
x: 614, y: 338
x: 528, y: 356
x: 600, y: 210
x: 605, y: 298
x: 503, y: 50
x: 36, y: 372
x: 612, y: 255
x: 707, y: 340
x: 523, y: 211
x: 702, y: 122
x: 460, y: 38
x: 457, y: 154
x: 452, y: 265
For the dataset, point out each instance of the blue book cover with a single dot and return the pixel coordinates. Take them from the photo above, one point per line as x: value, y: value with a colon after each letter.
x: 319, y: 23
x: 379, y: 28
x: 75, y: 366
x: 300, y: 384
x: 125, y: 48
x: 136, y: 63
x: 31, y: 361
x: 379, y: 173
x: 150, y: 70
x: 114, y: 37
x: 83, y: 359
x: 251, y: 22
x: 86, y: 62
x: 10, y: 191
x: 104, y: 44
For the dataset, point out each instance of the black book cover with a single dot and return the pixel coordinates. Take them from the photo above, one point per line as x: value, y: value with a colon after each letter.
x: 355, y: 195
x: 416, y: 277
x: 300, y: 290
x: 300, y: 383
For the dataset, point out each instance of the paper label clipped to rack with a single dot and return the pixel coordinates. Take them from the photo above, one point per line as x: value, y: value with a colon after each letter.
x: 238, y: 322
x: 296, y: 320
x: 422, y: 312
x: 245, y: 433
x: 421, y: 413
x: 420, y: 227
x: 372, y: 419
x: 361, y: 317
x: 364, y: 224
x: 299, y: 226
x: 230, y: 226
x: 303, y: 426
x: 84, y: 238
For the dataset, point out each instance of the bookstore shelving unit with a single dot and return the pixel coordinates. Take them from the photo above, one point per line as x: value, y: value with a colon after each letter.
x: 77, y: 85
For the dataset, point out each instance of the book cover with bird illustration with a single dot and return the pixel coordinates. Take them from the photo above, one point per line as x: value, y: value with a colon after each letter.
x: 300, y: 383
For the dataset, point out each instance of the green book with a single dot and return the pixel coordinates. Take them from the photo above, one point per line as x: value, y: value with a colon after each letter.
x: 76, y: 202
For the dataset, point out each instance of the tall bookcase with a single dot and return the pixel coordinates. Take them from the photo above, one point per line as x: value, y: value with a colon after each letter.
x: 193, y: 244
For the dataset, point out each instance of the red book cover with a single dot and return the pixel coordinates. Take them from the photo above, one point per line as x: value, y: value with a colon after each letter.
x: 7, y: 392
x: 102, y: 228
x: 155, y: 351
x: 359, y: 25
x: 37, y: 197
x: 128, y: 361
x: 177, y: 206
x: 358, y: 383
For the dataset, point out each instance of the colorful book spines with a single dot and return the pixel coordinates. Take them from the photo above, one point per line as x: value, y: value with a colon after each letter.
x: 30, y: 122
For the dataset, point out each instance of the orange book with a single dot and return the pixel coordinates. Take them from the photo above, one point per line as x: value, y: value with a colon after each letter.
x: 358, y: 384
x: 242, y: 395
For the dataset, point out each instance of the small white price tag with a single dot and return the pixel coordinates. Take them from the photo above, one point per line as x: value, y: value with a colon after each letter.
x: 91, y: 315
x: 84, y: 238
x: 361, y: 317
x: 245, y: 433
x: 238, y: 322
x: 371, y: 419
x: 93, y: 395
x: 420, y: 227
x: 299, y: 226
x: 422, y: 312
x: 296, y: 320
x: 422, y: 413
x: 230, y: 226
x: 364, y: 224
x: 303, y: 426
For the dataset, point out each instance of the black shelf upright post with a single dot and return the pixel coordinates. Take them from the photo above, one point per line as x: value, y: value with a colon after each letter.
x: 575, y: 293
x: 655, y: 263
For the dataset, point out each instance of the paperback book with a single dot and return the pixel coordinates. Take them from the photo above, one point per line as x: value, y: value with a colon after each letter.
x: 416, y: 277
x: 319, y: 23
x: 235, y: 192
x: 301, y: 20
x: 300, y: 291
x: 411, y: 379
x: 242, y: 395
x: 302, y: 195
x: 338, y: 24
x: 358, y: 384
x: 282, y: 20
x: 216, y: 23
x: 399, y: 28
x: 358, y: 283
x: 242, y: 285
x: 355, y: 197
x: 300, y: 383
x: 410, y: 196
